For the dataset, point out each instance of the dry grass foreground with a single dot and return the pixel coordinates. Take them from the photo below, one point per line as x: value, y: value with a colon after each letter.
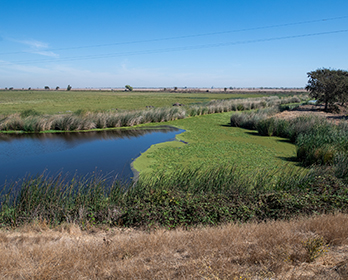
x: 314, y: 248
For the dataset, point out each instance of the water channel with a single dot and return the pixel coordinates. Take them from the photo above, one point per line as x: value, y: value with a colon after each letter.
x: 108, y: 153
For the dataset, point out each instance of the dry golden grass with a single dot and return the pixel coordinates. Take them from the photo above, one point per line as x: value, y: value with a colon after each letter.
x: 272, y: 250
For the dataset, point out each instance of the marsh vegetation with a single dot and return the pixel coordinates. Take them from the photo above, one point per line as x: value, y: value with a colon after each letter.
x: 32, y: 121
x: 261, y: 185
x: 318, y: 140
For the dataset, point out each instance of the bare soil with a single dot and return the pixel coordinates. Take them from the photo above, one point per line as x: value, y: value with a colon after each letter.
x: 316, y: 110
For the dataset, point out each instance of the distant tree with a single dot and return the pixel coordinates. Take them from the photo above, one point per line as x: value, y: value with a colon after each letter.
x: 328, y: 86
x: 175, y: 88
x: 47, y: 87
x: 57, y: 87
x: 68, y: 87
x: 29, y: 88
x: 128, y: 87
x: 225, y: 89
x: 10, y: 88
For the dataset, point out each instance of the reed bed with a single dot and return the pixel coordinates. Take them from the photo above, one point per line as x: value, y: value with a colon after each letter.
x: 32, y: 121
x: 186, y: 198
x: 318, y: 141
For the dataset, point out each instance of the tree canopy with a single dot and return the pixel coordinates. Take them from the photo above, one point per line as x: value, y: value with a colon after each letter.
x: 328, y: 86
x: 128, y: 87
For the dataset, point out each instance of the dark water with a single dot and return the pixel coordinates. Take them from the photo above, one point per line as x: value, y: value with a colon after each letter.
x: 109, y: 153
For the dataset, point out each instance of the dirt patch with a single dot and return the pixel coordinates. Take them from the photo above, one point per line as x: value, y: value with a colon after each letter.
x: 315, y: 110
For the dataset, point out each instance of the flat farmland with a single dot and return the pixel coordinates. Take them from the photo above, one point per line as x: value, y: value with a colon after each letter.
x: 55, y: 102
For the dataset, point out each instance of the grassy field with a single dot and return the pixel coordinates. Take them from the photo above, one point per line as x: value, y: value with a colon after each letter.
x: 54, y: 102
x: 212, y: 141
x: 302, y: 249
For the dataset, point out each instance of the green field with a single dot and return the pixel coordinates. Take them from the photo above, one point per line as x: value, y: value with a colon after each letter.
x: 54, y: 102
x: 212, y: 142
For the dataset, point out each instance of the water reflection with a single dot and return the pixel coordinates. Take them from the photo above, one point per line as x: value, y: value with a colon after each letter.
x: 109, y: 152
x: 89, y: 135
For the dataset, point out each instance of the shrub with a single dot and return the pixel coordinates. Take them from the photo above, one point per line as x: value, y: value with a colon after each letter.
x: 128, y: 87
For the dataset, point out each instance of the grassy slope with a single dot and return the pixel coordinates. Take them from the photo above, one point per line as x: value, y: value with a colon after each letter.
x: 211, y: 141
x: 53, y: 102
x: 273, y: 250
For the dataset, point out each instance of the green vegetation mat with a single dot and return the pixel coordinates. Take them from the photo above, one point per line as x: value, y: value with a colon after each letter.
x: 212, y: 141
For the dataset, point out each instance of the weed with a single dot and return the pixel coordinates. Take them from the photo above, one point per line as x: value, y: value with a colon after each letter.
x: 315, y: 247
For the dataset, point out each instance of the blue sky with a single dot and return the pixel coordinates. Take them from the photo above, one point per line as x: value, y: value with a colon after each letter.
x: 220, y: 43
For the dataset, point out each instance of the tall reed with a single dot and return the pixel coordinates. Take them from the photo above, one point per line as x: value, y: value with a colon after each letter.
x: 318, y: 141
x: 184, y: 198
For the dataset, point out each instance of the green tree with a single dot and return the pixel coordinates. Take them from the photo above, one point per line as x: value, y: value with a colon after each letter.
x: 328, y: 86
x: 343, y: 87
x: 128, y: 87
x: 68, y: 87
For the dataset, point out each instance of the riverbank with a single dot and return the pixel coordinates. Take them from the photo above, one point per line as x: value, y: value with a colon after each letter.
x: 211, y: 141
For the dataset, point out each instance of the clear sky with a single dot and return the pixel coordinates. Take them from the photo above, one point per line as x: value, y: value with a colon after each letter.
x: 162, y: 43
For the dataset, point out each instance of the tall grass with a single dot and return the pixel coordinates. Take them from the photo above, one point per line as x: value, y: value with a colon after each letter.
x: 31, y: 121
x: 318, y: 141
x: 184, y: 198
x: 250, y: 119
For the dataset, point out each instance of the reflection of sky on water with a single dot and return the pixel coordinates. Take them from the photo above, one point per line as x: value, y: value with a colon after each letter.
x: 109, y: 152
